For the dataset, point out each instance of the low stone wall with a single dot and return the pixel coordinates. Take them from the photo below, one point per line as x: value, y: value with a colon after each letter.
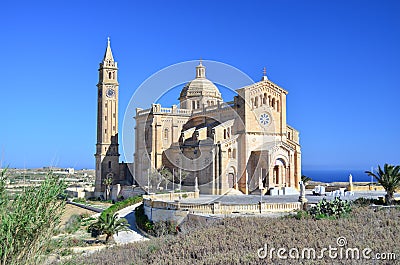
x: 87, y: 207
x: 367, y: 188
x: 172, y: 196
x: 159, y: 214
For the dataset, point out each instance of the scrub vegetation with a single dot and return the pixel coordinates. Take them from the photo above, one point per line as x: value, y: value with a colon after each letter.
x: 28, y: 221
x: 237, y: 240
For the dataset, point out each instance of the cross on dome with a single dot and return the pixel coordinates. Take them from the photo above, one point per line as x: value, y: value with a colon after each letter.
x: 200, y: 70
x: 264, y: 77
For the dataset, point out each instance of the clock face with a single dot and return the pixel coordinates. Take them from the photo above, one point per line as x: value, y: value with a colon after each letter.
x: 110, y: 93
x: 265, y: 119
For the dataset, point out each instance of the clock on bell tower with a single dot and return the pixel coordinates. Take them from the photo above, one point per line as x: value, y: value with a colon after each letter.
x: 107, y: 154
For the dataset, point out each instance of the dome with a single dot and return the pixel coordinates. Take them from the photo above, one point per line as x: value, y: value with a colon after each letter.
x: 200, y: 86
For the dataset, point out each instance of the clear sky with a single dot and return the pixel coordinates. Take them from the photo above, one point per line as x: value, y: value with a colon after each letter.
x: 339, y: 60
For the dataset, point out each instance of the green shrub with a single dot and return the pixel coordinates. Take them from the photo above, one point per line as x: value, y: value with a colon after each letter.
x: 335, y: 208
x: 121, y: 205
x: 363, y: 201
x: 79, y: 200
x: 157, y: 229
x: 29, y: 221
x: 142, y: 221
x: 302, y: 215
x: 73, y: 224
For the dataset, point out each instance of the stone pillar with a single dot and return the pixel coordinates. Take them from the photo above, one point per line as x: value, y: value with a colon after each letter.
x: 350, y: 187
x: 213, y: 171
x: 178, y: 204
x: 216, y: 207
x: 261, y: 206
x: 196, y: 188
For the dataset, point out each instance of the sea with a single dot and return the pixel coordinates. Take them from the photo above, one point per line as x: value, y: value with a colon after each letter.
x: 337, y: 175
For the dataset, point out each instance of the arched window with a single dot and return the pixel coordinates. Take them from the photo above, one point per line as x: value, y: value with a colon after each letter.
x: 277, y: 106
x: 264, y: 100
x: 269, y: 100
x: 288, y: 135
x: 256, y: 102
x: 234, y: 153
x: 229, y: 153
x: 109, y: 164
x: 109, y: 75
x: 273, y: 103
x: 252, y: 102
x: 224, y: 133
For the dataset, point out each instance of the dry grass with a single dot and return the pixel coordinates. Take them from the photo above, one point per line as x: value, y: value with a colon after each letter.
x: 72, y: 210
x: 236, y: 241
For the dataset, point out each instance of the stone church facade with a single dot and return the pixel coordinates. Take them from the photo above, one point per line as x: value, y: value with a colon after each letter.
x: 245, y: 144
x: 242, y: 146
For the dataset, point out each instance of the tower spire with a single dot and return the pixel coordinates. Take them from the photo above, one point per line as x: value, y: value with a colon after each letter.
x: 108, y: 54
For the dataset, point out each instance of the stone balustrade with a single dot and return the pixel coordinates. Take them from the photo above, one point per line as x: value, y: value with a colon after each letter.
x: 218, y: 208
x: 187, y: 112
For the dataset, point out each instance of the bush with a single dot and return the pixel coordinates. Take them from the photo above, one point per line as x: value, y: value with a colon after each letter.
x: 157, y: 229
x: 364, y: 201
x: 73, y: 224
x: 29, y: 221
x: 335, y: 208
x: 302, y: 215
x: 121, y: 205
x: 142, y: 221
x: 79, y: 200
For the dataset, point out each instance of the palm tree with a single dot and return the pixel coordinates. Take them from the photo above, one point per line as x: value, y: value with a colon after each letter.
x: 109, y: 225
x: 305, y: 179
x: 108, y: 182
x: 389, y: 178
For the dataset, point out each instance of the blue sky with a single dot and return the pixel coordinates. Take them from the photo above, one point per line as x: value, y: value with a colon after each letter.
x: 339, y: 60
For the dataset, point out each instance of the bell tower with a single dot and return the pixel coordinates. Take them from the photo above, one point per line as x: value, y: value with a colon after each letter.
x: 107, y: 154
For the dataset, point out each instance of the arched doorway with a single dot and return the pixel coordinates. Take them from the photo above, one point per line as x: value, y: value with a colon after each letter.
x: 231, y: 178
x: 279, y: 171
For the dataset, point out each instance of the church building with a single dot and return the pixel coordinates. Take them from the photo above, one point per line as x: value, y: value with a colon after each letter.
x: 241, y: 146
